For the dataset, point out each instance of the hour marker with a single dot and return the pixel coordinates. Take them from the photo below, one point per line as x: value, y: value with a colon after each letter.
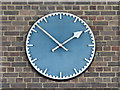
x: 34, y: 59
x: 34, y: 30
x: 90, y: 45
x: 45, y: 19
x: 30, y: 45
x: 60, y: 16
x: 75, y: 20
x: 45, y: 71
x: 75, y: 70
x: 60, y: 74
x: 86, y: 60
x: 87, y: 30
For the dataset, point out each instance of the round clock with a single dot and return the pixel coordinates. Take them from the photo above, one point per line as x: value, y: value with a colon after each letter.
x: 60, y: 45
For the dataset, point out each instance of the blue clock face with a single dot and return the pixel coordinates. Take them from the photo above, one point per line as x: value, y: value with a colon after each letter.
x: 60, y: 45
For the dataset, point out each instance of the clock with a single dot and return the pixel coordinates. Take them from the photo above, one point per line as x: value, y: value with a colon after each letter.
x: 60, y: 45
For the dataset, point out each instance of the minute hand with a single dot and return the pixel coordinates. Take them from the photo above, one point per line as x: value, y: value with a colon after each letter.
x: 60, y: 45
x: 76, y: 35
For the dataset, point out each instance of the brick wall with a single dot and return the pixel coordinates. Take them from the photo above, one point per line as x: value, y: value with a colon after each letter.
x: 17, y: 18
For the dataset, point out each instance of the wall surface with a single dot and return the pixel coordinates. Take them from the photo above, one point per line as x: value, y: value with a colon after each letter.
x: 17, y: 18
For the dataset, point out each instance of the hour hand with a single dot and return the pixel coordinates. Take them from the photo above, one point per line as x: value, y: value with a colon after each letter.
x: 60, y: 45
x: 75, y: 35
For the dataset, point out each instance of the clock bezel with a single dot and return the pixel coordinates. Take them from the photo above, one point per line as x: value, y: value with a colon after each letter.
x: 50, y: 76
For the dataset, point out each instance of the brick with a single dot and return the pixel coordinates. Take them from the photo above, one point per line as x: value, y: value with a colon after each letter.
x: 115, y: 79
x: 10, y: 58
x: 50, y: 2
x: 26, y: 75
x: 42, y: 12
x: 106, y: 48
x: 27, y: 79
x: 6, y: 2
x: 19, y: 23
x: 108, y: 13
x: 19, y: 2
x: 107, y: 54
x: 108, y: 33
x: 3, y: 7
x: 98, y: 84
x: 76, y: 12
x: 10, y: 69
x: 35, y: 79
x: 107, y: 37
x: 99, y: 69
x: 115, y: 48
x: 20, y: 64
x: 99, y: 63
x: 100, y: 7
x: 18, y: 85
x: 11, y: 48
x: 51, y: 7
x: 12, y: 18
x: 100, y: 23
x: 27, y: 12
x: 68, y: 7
x: 67, y: 3
x: 10, y: 74
x: 108, y: 7
x: 91, y: 75
x: 100, y: 18
x: 112, y: 84
x: 35, y: 2
x: 5, y: 85
x: 98, y: 3
x: 59, y: 8
x: 62, y: 85
x: 107, y: 69
x: 27, y: 7
x: 11, y: 12
x: 82, y: 2
x: 113, y: 64
x: 112, y: 43
x: 92, y: 7
x: 115, y: 7
x: 91, y: 13
x: 107, y: 74
x: 19, y: 7
x: 92, y: 17
x: 112, y: 3
x: 10, y: 7
x: 84, y: 7
x: 34, y: 85
x: 4, y: 18
x: 35, y: 7
x: 101, y: 43
x: 118, y: 12
x: 113, y: 23
x: 106, y: 79
x: 6, y: 22
x: 6, y: 43
x: 76, y: 7
x: 19, y: 80
x: 82, y: 85
x: 108, y: 18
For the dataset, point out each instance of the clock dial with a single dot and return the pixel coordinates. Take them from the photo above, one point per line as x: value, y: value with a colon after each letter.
x: 60, y: 45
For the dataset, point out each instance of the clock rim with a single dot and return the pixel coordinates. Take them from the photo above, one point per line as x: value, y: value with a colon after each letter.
x: 37, y: 68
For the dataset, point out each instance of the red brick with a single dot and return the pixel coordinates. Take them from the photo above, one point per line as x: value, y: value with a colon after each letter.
x: 115, y: 48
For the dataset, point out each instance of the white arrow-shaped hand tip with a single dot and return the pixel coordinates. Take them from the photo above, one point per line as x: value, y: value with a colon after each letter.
x: 77, y: 34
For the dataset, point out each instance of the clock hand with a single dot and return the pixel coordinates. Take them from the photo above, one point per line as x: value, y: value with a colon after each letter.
x: 75, y: 35
x: 60, y: 45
